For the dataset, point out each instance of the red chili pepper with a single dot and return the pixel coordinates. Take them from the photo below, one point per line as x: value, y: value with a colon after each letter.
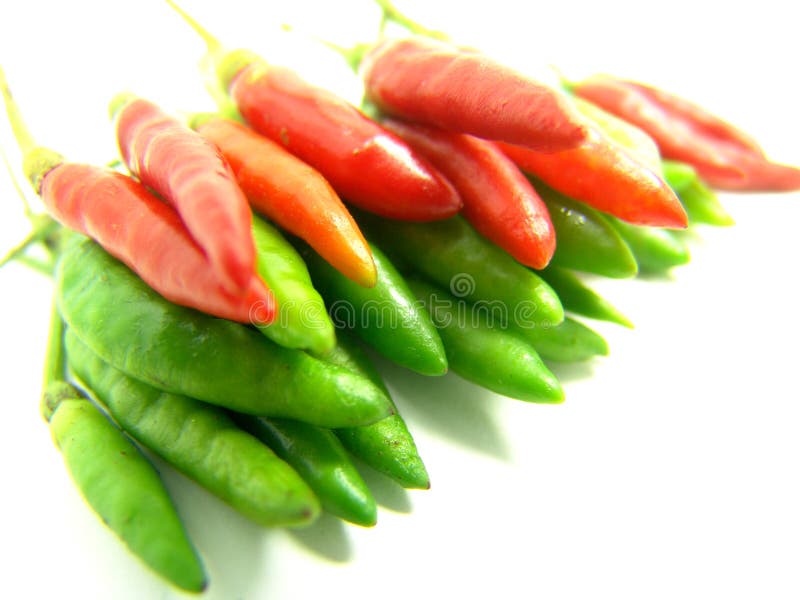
x: 366, y: 164
x: 148, y: 236
x: 444, y: 86
x: 603, y: 174
x: 293, y: 195
x: 499, y: 201
x: 724, y: 156
x: 190, y: 173
x: 369, y: 166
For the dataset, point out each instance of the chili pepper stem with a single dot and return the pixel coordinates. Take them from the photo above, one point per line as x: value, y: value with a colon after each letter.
x: 223, y: 63
x: 43, y: 227
x: 352, y: 54
x: 37, y: 161
x: 55, y: 356
x: 391, y: 13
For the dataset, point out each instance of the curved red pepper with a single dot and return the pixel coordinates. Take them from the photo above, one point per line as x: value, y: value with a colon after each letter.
x: 601, y: 173
x: 366, y: 164
x: 293, y: 195
x: 148, y: 236
x: 190, y: 173
x: 444, y: 86
x: 724, y: 156
x: 499, y: 200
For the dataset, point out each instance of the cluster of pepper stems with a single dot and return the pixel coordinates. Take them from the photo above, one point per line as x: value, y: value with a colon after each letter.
x: 475, y: 187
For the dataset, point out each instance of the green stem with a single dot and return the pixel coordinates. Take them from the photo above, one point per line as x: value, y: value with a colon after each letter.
x: 24, y: 138
x: 391, y: 13
x: 28, y: 209
x: 43, y: 228
x: 213, y: 45
x: 37, y: 161
x: 41, y: 266
x: 55, y: 358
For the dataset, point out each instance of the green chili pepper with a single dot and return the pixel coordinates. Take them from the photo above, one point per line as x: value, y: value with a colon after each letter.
x: 700, y: 201
x: 656, y: 250
x: 456, y: 257
x: 201, y: 441
x: 180, y: 350
x: 485, y: 352
x: 580, y: 299
x: 386, y: 446
x: 386, y: 316
x: 302, y: 321
x: 321, y: 460
x: 570, y: 341
x: 121, y: 486
x: 584, y: 239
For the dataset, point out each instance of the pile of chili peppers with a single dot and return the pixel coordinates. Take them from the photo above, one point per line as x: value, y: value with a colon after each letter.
x: 213, y: 300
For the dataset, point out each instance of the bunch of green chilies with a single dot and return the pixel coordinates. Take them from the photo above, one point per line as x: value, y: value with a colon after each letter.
x: 469, y: 207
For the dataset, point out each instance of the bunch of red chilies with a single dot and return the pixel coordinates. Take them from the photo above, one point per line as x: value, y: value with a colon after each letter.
x: 458, y: 134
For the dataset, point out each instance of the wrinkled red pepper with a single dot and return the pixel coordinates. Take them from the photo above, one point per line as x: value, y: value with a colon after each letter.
x: 148, y: 235
x: 499, y: 200
x: 724, y: 156
x: 189, y: 172
x: 438, y: 84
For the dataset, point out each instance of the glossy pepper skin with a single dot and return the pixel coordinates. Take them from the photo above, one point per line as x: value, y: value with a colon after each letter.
x: 185, y: 352
x: 724, y: 156
x: 366, y: 164
x: 438, y: 84
x: 293, y: 195
x: 603, y: 174
x: 148, y: 236
x: 122, y: 487
x: 579, y: 298
x: 387, y: 445
x: 656, y: 250
x: 189, y: 172
x: 585, y: 241
x: 569, y: 341
x: 321, y: 460
x: 303, y: 322
x: 456, y: 257
x: 485, y: 352
x: 700, y: 201
x: 201, y: 441
x: 386, y: 316
x: 498, y: 200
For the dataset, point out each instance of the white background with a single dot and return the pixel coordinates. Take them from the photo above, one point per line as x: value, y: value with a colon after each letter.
x: 671, y: 470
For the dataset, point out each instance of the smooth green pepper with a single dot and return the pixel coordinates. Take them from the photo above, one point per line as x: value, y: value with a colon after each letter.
x: 321, y: 460
x: 584, y: 239
x: 302, y: 321
x: 386, y: 316
x: 121, y: 486
x: 580, y: 299
x: 570, y: 341
x: 201, y: 441
x: 183, y: 351
x: 387, y: 446
x: 656, y: 250
x: 700, y: 201
x: 457, y: 258
x: 480, y: 351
